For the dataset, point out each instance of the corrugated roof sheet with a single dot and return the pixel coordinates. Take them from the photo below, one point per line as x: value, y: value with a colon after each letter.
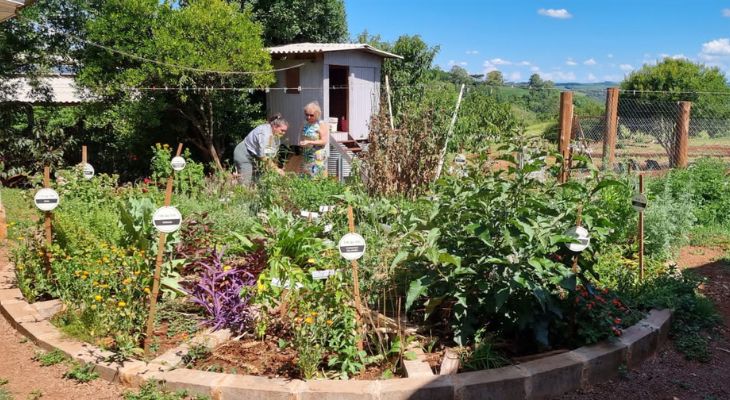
x: 8, y: 8
x: 62, y: 89
x: 312, y: 48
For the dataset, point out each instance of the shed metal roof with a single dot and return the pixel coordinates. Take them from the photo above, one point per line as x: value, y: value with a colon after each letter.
x: 62, y: 88
x: 313, y: 48
x: 8, y: 8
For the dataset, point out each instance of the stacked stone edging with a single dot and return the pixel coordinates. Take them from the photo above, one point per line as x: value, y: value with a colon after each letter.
x: 538, y: 379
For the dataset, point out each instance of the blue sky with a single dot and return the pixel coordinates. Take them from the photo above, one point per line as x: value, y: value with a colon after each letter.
x: 565, y: 41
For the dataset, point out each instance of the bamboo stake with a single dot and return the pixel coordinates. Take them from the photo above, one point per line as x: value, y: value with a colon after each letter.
x: 641, y: 232
x: 356, y: 281
x: 83, y: 155
x: 448, y: 134
x: 390, y: 106
x: 158, y: 266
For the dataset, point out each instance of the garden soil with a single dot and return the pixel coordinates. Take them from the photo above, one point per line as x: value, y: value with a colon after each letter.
x: 668, y: 375
x: 27, y: 379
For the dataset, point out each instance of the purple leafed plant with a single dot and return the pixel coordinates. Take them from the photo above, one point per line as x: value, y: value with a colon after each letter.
x: 219, y: 291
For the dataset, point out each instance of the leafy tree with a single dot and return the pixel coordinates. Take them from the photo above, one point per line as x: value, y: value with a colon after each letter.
x: 297, y: 21
x: 536, y: 81
x: 197, y: 37
x: 495, y: 78
x: 460, y: 75
x: 681, y: 80
x: 482, y: 119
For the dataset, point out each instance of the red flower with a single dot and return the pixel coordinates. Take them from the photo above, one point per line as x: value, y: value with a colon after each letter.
x: 147, y: 181
x: 617, y: 321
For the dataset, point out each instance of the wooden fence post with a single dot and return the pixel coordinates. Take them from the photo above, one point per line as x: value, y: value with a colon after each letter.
x: 609, y: 137
x: 565, y: 124
x: 356, y: 282
x: 681, y: 135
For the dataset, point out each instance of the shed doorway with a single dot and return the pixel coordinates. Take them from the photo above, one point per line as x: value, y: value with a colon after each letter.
x: 339, y: 94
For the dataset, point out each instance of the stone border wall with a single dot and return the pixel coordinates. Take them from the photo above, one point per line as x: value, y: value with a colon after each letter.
x: 538, y: 379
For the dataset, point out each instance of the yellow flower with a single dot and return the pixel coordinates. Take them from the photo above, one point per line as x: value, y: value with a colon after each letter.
x: 136, y: 273
x: 147, y: 290
x: 309, y: 320
x: 97, y: 298
x: 121, y: 304
x: 314, y: 313
x: 311, y: 260
x: 329, y: 322
x: 127, y: 281
x: 226, y: 267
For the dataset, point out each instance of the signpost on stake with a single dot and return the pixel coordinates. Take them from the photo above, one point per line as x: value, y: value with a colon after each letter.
x: 87, y: 169
x: 356, y: 280
x: 641, y: 230
x: 158, y: 267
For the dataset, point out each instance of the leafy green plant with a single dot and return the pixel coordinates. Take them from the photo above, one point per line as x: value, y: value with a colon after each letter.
x: 81, y: 373
x: 191, y: 180
x: 50, y: 358
x: 151, y: 390
x: 195, y: 353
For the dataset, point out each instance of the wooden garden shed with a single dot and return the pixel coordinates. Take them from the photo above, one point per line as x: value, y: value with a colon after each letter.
x: 343, y: 77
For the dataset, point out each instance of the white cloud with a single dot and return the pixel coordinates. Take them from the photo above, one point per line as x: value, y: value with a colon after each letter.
x: 589, y: 61
x: 559, y: 76
x: 591, y: 78
x: 717, y: 47
x: 555, y: 13
x: 570, y: 62
x: 626, y: 67
x: 499, y: 61
x: 609, y: 55
x: 472, y: 52
x: 726, y: 12
x: 535, y: 69
x: 489, y: 67
x: 515, y: 76
x: 451, y: 63
x: 524, y: 63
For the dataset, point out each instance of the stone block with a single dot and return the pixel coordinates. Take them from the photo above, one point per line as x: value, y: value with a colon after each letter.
x: 134, y: 374
x: 255, y: 388
x: 661, y: 320
x: 172, y: 358
x: 433, y: 388
x: 601, y: 361
x: 211, y: 339
x: 10, y: 294
x: 339, y: 390
x: 642, y: 341
x: 47, y: 309
x: 552, y: 376
x: 450, y: 363
x: 42, y: 333
x: 193, y: 381
x: 505, y: 383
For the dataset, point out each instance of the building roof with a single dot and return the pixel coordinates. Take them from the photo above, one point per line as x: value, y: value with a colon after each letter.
x: 8, y: 8
x: 313, y: 48
x: 62, y: 88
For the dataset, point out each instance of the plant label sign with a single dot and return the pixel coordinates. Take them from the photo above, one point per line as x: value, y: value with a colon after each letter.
x: 324, y: 274
x: 46, y: 199
x: 639, y: 202
x: 167, y: 219
x: 352, y: 246
x: 309, y: 214
x: 326, y: 209
x: 581, y: 235
x: 460, y: 159
x: 178, y: 163
x: 88, y: 171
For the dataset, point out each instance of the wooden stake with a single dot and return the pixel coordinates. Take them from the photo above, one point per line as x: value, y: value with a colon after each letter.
x: 355, y: 280
x: 641, y: 232
x: 440, y: 165
x: 565, y: 124
x: 83, y: 155
x: 158, y: 267
x: 578, y: 222
x: 3, y: 221
x: 609, y: 136
x: 681, y: 135
x: 48, y: 216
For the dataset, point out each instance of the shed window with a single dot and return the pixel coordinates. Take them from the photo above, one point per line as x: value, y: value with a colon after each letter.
x: 292, y: 81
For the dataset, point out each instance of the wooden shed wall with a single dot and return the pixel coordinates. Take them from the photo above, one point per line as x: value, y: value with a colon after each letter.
x: 291, y: 105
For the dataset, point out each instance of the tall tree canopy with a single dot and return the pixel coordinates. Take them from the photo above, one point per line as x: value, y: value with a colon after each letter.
x: 297, y: 21
x: 681, y: 79
x: 192, y: 40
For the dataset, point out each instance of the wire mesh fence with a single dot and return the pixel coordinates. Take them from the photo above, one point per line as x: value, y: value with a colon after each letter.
x: 657, y: 131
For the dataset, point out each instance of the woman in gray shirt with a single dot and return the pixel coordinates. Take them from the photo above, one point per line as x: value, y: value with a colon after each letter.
x: 261, y: 145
